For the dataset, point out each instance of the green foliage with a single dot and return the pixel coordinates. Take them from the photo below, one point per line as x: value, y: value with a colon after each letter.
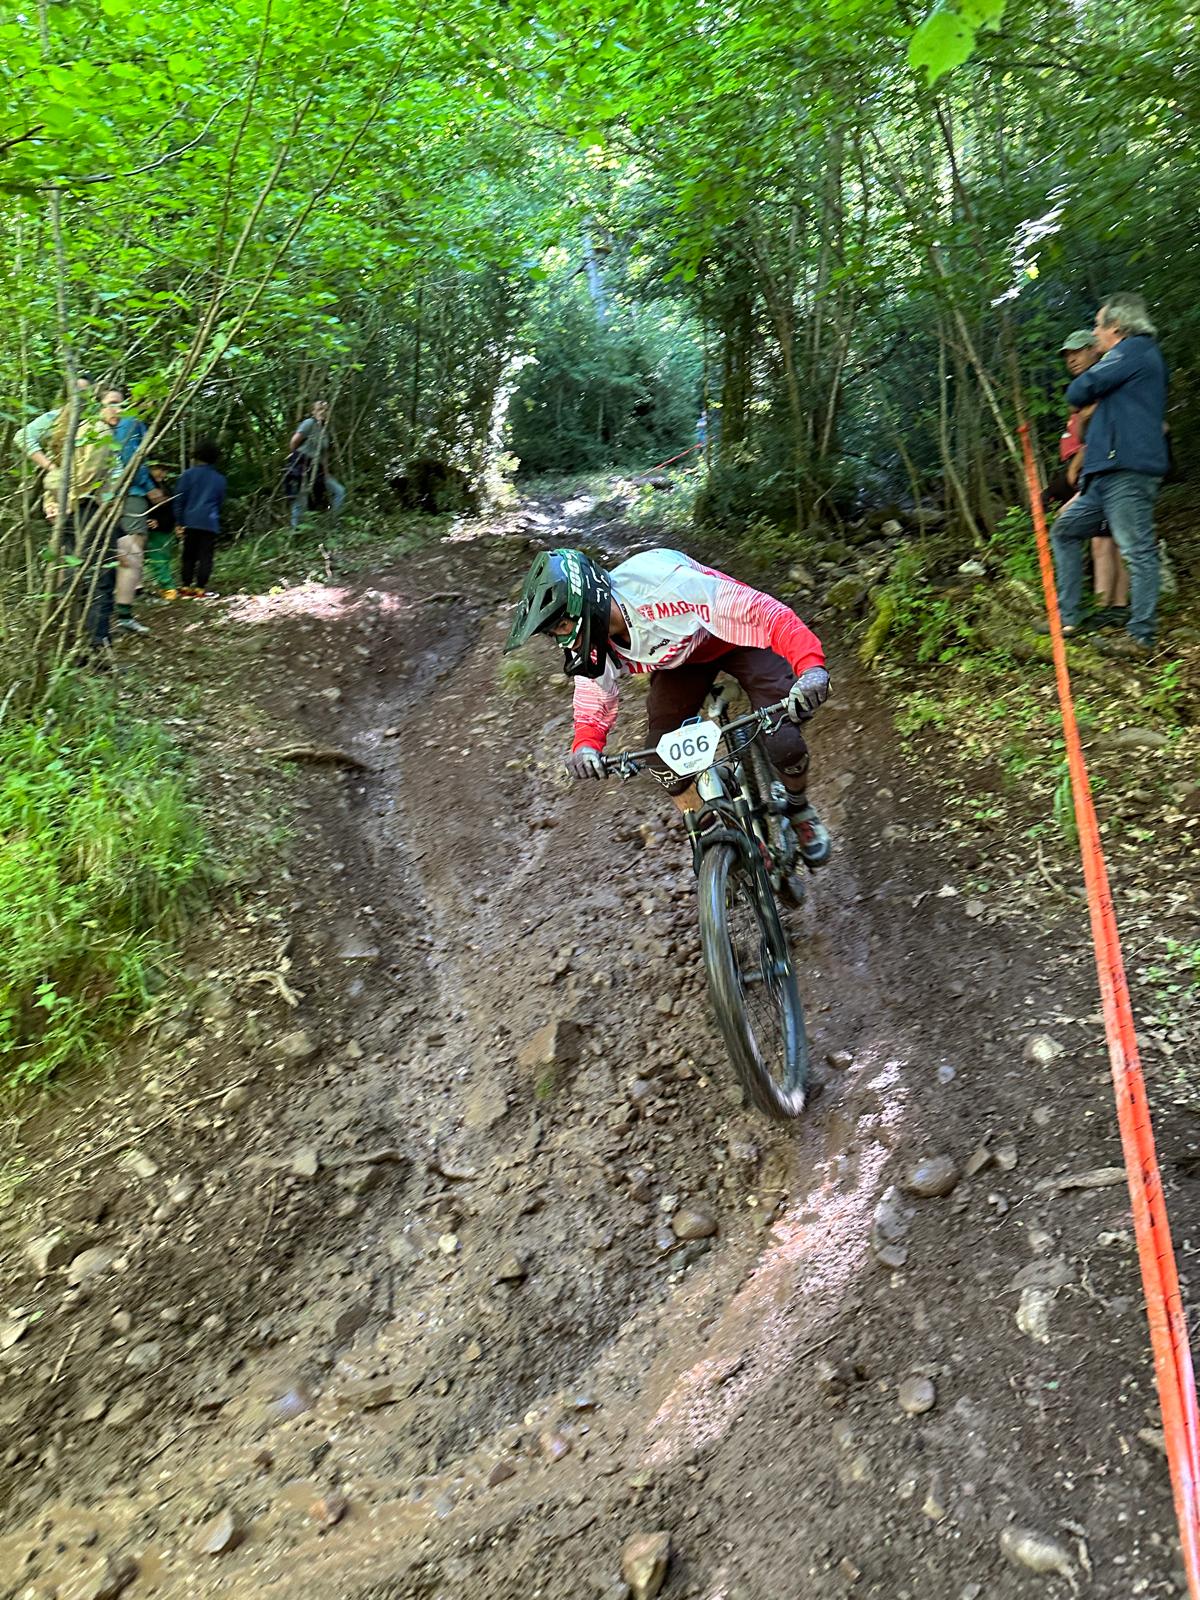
x: 1064, y: 810
x: 767, y: 550
x: 1014, y: 543
x: 101, y: 856
x: 321, y: 550
x: 931, y: 624
x: 1166, y: 694
x: 621, y: 388
x: 921, y: 711
x: 946, y: 38
x: 516, y: 676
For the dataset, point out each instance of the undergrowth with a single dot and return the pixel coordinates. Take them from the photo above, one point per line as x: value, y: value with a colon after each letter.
x: 102, y: 855
x: 322, y: 549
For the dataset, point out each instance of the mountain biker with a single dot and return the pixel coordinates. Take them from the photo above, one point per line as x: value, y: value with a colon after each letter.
x: 662, y: 613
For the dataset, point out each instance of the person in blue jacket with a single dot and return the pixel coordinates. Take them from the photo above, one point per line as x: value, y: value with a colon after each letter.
x: 199, y: 496
x: 1125, y: 458
x: 131, y: 546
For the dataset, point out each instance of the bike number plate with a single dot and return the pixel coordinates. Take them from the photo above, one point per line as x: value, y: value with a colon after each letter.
x: 691, y: 748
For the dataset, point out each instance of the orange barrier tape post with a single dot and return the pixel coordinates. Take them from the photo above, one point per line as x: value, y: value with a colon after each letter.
x: 1160, y: 1279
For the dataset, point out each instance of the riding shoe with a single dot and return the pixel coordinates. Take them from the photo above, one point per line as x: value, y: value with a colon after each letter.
x: 811, y: 833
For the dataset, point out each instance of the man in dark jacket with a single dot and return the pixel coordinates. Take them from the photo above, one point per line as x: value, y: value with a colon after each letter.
x: 1124, y: 462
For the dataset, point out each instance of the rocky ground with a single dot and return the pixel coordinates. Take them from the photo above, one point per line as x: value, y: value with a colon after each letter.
x: 423, y: 1248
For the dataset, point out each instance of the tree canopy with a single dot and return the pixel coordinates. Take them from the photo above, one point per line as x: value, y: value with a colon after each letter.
x: 853, y: 234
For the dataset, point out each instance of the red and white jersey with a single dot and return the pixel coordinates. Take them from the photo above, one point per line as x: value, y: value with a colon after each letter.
x: 677, y: 611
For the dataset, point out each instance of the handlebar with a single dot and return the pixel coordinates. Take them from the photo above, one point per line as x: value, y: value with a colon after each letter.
x: 630, y: 762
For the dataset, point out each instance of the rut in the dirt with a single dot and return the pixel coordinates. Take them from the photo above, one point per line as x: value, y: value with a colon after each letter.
x: 495, y: 1273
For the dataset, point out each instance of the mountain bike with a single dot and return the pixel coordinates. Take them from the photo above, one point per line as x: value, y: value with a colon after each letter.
x: 745, y: 852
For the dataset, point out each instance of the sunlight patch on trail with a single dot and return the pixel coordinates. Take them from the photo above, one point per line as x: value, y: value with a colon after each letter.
x: 321, y: 602
x: 820, y: 1243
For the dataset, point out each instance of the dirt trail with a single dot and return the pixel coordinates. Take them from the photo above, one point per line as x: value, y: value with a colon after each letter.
x: 410, y: 1308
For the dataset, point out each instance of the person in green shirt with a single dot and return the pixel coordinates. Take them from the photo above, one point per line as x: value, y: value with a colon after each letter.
x: 33, y: 437
x: 84, y: 488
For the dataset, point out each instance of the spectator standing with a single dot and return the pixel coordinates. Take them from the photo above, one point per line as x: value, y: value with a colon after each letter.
x: 131, y: 543
x: 199, y: 496
x: 1124, y: 460
x: 1109, y: 576
x: 310, y: 449
x: 86, y: 489
x: 32, y: 439
x: 160, y: 530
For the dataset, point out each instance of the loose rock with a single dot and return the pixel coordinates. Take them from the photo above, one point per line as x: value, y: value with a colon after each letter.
x: 932, y: 1177
x: 916, y: 1396
x: 935, y: 1507
x: 889, y: 1228
x: 847, y: 594
x: 89, y: 1264
x: 140, y: 1164
x: 840, y: 1060
x: 1131, y: 739
x: 329, y: 1510
x: 1033, y: 1314
x: 1041, y: 1050
x: 1095, y: 1178
x: 1025, y: 1548
x: 49, y: 1251
x: 305, y: 1162
x: 224, y: 1532
x: 693, y: 1222
x: 1005, y: 1156
x: 13, y: 1331
x: 234, y: 1099
x: 145, y: 1357
x: 978, y: 1161
x: 644, y: 1562
x: 132, y: 1408
x: 1045, y: 1273
x: 297, y: 1046
x: 556, y: 1044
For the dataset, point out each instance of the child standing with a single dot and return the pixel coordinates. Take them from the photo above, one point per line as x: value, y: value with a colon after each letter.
x: 160, y: 532
x: 199, y: 495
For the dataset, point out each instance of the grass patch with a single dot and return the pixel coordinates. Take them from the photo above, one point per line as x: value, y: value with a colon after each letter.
x: 102, y: 855
x: 322, y: 550
x: 516, y: 676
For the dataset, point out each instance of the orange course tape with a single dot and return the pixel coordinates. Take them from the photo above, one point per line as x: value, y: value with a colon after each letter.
x: 679, y: 457
x: 1160, y: 1279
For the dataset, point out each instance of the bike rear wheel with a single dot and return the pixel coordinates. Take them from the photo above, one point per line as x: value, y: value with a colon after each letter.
x: 751, y: 982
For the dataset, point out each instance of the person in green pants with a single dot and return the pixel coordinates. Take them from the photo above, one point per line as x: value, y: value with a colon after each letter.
x: 160, y: 536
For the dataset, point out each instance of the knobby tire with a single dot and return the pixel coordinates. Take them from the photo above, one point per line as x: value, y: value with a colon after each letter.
x: 736, y: 896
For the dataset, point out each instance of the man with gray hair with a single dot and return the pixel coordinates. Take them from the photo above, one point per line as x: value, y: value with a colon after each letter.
x: 1125, y: 457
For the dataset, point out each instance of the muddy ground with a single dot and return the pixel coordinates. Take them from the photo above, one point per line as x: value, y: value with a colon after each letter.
x: 424, y: 1249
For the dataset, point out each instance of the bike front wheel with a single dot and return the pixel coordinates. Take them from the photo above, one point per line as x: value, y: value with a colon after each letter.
x: 752, y: 983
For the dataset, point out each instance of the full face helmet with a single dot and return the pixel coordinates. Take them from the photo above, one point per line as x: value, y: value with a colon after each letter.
x: 565, y: 585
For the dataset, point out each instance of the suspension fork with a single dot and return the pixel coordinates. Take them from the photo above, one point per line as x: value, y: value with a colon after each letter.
x: 727, y: 815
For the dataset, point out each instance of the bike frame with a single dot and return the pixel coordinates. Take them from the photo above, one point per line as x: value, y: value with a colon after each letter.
x: 721, y: 787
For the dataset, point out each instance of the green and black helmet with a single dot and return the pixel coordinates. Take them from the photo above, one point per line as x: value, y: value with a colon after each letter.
x: 562, y: 584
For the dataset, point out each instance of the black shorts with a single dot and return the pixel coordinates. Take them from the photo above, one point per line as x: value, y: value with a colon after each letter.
x: 677, y: 693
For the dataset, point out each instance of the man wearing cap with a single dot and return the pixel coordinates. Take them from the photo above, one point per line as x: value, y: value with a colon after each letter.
x: 1124, y: 461
x: 1109, y: 577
